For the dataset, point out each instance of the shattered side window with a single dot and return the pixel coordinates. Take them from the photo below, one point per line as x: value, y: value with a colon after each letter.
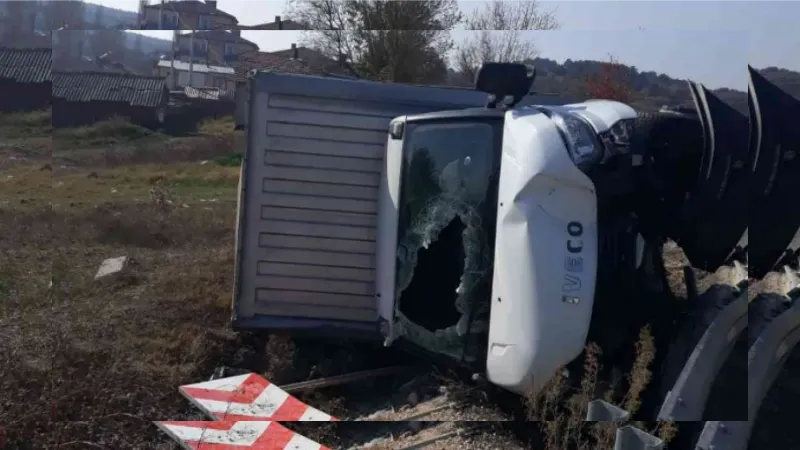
x: 445, y: 235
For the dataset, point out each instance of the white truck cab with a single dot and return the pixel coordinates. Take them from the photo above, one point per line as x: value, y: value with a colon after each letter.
x: 527, y: 212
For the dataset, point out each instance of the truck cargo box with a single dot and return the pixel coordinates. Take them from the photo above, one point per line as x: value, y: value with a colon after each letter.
x: 308, y: 197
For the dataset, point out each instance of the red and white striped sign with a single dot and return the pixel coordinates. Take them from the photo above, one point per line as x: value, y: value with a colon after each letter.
x: 247, y: 408
x: 231, y: 435
x: 250, y: 397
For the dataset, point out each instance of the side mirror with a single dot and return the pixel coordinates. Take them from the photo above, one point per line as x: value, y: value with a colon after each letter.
x: 501, y: 80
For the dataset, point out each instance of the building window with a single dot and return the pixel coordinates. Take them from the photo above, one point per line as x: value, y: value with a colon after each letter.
x: 205, y: 23
x: 230, y: 49
x: 170, y: 20
x: 219, y: 83
x: 200, y: 47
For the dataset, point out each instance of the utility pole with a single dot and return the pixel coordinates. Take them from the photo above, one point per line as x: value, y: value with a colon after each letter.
x: 161, y: 15
x: 172, y: 69
x: 140, y: 18
x: 191, y: 56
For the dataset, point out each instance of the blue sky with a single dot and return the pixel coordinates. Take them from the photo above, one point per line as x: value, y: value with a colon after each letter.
x: 708, y: 41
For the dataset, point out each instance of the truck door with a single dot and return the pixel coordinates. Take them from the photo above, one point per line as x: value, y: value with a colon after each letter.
x: 436, y: 230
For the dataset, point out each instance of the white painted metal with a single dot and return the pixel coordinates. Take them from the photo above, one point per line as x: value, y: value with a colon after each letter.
x: 542, y: 295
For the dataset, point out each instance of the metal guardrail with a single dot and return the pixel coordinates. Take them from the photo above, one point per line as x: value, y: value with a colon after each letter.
x: 627, y: 437
x: 687, y: 399
x: 766, y: 359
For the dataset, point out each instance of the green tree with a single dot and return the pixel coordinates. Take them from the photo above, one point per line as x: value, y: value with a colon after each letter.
x: 403, y: 41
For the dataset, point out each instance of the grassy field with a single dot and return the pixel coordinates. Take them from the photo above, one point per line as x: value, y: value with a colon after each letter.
x: 90, y: 363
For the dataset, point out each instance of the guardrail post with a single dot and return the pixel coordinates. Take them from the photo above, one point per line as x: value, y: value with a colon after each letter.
x: 632, y: 438
x: 602, y: 411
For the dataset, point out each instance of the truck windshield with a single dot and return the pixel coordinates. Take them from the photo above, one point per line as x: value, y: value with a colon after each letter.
x: 448, y: 205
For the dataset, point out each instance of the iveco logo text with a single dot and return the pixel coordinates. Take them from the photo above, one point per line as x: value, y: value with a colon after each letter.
x: 573, y: 263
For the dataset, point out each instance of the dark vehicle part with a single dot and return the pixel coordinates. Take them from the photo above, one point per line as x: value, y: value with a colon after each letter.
x: 775, y: 144
x: 714, y: 216
x: 503, y: 80
x: 671, y: 148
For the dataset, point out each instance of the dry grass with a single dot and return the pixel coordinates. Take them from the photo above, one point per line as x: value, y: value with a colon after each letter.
x: 88, y: 362
x: 26, y: 125
x: 92, y: 362
x: 107, y: 133
x: 216, y: 127
x: 29, y: 137
x: 561, y: 410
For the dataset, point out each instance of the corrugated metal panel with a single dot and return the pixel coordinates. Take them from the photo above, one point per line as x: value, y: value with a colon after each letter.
x: 96, y: 86
x: 323, y: 161
x: 26, y: 65
x: 196, y: 67
x: 208, y: 93
x: 287, y: 65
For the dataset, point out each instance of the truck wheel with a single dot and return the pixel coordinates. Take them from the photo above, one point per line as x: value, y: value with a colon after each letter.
x: 702, y: 310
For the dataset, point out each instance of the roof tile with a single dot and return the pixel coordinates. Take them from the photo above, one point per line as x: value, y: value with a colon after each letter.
x: 193, y: 6
x: 97, y: 86
x: 282, y: 64
x: 26, y: 65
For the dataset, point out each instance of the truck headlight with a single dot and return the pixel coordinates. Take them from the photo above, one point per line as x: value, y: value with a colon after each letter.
x: 582, y: 142
x: 620, y: 134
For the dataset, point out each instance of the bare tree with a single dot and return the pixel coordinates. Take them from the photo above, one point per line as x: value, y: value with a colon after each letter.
x: 498, y: 34
x: 387, y: 40
x: 64, y: 14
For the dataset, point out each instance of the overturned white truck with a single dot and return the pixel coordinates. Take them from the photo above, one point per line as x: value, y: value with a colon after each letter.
x: 500, y: 234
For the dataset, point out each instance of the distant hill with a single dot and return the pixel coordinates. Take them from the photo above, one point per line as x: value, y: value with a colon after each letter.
x: 110, y: 17
x: 653, y: 89
x: 788, y: 80
x: 104, y: 17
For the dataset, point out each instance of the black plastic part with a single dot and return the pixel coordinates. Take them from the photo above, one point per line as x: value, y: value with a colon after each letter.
x: 775, y: 210
x: 671, y: 146
x: 396, y: 129
x: 716, y: 213
x: 505, y: 79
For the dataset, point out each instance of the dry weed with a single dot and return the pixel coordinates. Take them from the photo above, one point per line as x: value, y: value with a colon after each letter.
x: 562, y: 410
x: 640, y: 374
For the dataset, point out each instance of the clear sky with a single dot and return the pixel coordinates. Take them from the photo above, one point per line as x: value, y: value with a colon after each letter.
x: 707, y: 41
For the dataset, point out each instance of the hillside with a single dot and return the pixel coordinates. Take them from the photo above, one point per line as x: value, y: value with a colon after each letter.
x: 788, y: 80
x: 653, y: 89
x: 108, y: 17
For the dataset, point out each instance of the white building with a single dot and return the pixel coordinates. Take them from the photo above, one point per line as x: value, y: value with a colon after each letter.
x: 203, y: 75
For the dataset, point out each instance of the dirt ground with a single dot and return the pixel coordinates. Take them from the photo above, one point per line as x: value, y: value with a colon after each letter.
x: 88, y: 363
